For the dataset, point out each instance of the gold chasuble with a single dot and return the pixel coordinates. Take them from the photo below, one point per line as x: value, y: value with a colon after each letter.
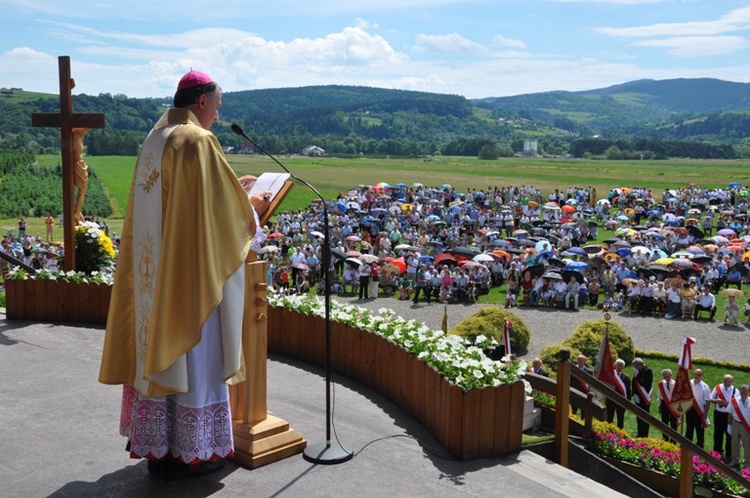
x: 186, y: 235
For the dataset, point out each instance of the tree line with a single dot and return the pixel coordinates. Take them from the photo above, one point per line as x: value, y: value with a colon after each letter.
x: 371, y: 121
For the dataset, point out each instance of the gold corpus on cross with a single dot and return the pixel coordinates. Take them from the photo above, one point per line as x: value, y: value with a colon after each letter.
x: 67, y: 121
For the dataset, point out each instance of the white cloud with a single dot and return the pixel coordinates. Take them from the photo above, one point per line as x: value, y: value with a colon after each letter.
x: 699, y: 46
x: 447, y: 44
x: 364, y: 24
x: 507, y: 42
x: 735, y: 20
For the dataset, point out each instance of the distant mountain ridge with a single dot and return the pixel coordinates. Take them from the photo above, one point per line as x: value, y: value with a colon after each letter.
x: 689, y: 95
x: 365, y: 120
x: 681, y: 95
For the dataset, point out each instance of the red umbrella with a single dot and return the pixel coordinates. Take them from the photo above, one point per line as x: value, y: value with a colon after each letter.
x: 275, y: 235
x: 567, y: 208
x: 501, y: 254
x: 400, y: 263
x: 445, y: 259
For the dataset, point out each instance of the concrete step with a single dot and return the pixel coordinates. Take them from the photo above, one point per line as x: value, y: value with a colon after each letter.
x: 558, y: 478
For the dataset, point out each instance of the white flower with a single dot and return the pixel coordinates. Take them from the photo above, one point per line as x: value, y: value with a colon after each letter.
x: 478, y: 374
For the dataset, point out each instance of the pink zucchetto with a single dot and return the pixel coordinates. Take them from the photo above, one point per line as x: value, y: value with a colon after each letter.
x: 194, y: 78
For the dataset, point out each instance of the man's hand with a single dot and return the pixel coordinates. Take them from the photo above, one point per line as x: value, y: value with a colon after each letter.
x: 261, y: 201
x: 247, y: 182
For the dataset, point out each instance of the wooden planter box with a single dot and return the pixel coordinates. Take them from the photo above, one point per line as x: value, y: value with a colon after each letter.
x: 54, y: 301
x: 482, y: 423
x: 658, y: 481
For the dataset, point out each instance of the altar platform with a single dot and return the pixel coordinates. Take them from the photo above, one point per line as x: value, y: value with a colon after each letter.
x: 58, y: 435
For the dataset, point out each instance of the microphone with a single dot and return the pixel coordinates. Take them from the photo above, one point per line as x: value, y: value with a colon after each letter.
x: 239, y: 131
x: 330, y: 452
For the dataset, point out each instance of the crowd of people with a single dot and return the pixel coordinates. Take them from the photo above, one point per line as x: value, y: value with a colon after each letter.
x: 437, y: 244
x: 41, y: 253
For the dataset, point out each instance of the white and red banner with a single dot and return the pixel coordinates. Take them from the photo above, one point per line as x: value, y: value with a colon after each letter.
x: 682, y: 397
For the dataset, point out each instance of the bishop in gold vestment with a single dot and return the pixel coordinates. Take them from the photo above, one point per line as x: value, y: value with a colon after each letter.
x: 174, y: 328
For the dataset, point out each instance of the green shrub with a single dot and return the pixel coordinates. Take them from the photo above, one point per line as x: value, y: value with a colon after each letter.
x: 587, y: 340
x: 550, y: 356
x: 589, y: 335
x: 490, y: 322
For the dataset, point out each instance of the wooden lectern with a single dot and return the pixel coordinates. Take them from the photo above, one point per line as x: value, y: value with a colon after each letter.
x: 259, y: 437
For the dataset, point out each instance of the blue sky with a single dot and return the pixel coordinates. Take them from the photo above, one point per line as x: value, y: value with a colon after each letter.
x: 479, y: 48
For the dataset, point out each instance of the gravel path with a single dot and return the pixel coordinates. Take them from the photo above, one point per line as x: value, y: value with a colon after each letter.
x: 550, y: 326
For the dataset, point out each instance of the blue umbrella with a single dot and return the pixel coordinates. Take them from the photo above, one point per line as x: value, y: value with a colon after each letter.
x: 577, y: 250
x: 342, y: 206
x: 426, y: 260
x: 544, y: 254
x: 433, y: 217
x: 576, y: 266
x: 734, y: 185
x: 400, y: 185
x: 623, y: 252
x: 500, y: 242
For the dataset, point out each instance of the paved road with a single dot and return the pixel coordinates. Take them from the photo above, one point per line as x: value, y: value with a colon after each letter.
x: 550, y: 326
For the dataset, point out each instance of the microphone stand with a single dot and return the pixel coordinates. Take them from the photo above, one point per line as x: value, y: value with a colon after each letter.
x: 330, y: 452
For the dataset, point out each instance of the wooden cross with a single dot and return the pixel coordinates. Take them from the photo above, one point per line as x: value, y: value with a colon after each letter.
x: 67, y: 120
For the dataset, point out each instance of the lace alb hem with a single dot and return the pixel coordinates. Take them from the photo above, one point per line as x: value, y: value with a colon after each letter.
x: 160, y: 427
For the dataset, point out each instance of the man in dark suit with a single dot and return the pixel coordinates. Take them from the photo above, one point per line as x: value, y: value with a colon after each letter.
x: 536, y: 367
x: 643, y: 380
x: 577, y: 384
x: 622, y: 387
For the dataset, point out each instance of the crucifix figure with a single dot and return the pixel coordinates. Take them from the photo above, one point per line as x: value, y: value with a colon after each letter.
x: 81, y: 172
x: 72, y: 127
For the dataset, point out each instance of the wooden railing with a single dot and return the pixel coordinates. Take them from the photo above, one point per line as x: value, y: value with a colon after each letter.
x: 562, y: 426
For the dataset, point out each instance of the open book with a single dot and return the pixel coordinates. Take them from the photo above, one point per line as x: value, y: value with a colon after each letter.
x: 272, y: 182
x: 276, y: 183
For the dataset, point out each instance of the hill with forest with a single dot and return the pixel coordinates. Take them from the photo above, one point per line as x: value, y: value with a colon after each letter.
x: 644, y: 118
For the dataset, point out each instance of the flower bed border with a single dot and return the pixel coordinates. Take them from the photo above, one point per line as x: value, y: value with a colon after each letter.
x: 57, y: 301
x: 478, y: 423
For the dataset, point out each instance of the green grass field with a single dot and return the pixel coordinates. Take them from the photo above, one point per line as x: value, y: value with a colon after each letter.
x: 332, y: 176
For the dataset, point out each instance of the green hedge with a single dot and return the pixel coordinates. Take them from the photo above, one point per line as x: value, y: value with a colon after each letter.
x: 490, y: 322
x: 587, y: 340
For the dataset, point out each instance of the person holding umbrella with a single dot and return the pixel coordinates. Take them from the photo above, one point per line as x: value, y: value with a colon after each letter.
x: 731, y: 307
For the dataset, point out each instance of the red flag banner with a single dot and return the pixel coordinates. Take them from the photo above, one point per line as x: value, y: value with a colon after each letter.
x: 605, y: 368
x: 682, y: 396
